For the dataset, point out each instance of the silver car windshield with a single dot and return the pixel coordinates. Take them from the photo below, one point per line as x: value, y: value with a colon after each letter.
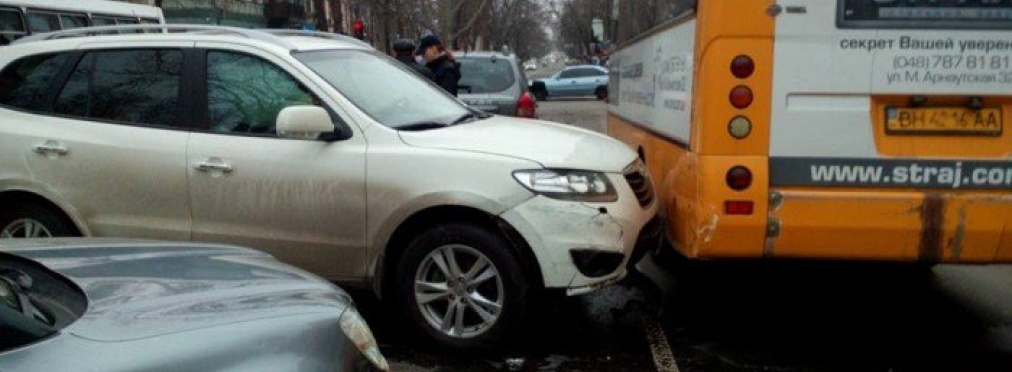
x: 385, y: 89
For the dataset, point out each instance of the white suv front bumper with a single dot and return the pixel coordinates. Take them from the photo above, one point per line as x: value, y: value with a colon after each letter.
x: 554, y: 229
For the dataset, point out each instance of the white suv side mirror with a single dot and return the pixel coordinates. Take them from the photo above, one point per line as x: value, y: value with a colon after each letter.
x: 303, y: 122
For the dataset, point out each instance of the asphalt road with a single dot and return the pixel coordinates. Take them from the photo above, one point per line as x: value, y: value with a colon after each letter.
x: 747, y: 316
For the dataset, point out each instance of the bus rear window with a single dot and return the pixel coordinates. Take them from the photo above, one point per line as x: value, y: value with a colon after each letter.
x: 940, y: 14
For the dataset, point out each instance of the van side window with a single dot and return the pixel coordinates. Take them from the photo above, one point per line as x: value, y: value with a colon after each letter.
x: 102, y: 21
x: 25, y: 84
x: 132, y: 86
x: 12, y: 27
x: 69, y: 21
x: 43, y: 22
x: 245, y: 93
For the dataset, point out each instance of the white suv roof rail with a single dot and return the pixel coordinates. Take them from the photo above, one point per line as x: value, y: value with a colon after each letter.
x: 317, y: 34
x: 263, y: 35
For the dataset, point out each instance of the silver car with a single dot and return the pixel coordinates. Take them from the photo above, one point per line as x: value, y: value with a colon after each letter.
x: 122, y: 305
x: 493, y: 82
x: 575, y: 81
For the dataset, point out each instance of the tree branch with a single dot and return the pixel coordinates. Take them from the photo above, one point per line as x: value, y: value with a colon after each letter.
x: 470, y: 23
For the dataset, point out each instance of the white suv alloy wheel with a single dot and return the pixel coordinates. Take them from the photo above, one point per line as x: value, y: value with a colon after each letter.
x: 25, y: 228
x: 459, y: 303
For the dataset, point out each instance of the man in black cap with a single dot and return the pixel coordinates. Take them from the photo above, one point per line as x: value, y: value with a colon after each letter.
x: 405, y: 52
x: 445, y: 71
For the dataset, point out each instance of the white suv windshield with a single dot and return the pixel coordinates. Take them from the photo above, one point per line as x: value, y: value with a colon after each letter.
x: 384, y: 88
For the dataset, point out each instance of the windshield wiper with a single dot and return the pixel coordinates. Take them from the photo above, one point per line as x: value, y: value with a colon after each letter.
x: 422, y: 125
x: 470, y: 116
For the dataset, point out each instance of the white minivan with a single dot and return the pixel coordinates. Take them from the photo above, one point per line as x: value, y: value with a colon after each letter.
x: 325, y: 153
x: 20, y: 18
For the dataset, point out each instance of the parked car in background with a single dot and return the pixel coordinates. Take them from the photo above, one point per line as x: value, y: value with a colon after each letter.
x: 530, y: 66
x: 68, y: 305
x: 20, y: 18
x: 574, y: 81
x: 492, y: 82
x: 327, y: 154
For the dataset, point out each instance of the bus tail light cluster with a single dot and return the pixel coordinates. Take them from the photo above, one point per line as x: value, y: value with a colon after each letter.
x: 738, y: 177
x: 741, y: 97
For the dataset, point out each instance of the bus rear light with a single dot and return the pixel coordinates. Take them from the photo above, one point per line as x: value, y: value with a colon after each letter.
x: 525, y: 106
x: 741, y: 97
x: 739, y: 178
x: 738, y: 207
x: 742, y: 66
x: 739, y: 127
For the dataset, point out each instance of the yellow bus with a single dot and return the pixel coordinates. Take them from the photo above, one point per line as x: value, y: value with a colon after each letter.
x: 826, y: 129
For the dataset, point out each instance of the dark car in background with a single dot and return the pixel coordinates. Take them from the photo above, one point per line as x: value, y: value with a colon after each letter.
x: 131, y: 305
x: 494, y: 82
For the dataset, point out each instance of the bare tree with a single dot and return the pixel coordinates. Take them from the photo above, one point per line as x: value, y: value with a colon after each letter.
x: 461, y: 23
x: 575, y: 23
x: 638, y: 16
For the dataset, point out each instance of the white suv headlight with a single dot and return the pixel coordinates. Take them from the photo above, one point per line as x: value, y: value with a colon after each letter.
x: 574, y: 185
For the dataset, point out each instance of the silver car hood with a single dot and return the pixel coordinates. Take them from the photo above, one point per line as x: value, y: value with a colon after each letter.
x: 550, y: 144
x: 142, y: 289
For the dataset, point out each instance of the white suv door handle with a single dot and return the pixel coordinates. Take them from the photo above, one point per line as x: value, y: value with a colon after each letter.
x: 213, y: 164
x: 51, y: 147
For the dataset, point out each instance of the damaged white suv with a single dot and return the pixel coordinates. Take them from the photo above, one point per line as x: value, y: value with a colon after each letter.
x: 323, y: 152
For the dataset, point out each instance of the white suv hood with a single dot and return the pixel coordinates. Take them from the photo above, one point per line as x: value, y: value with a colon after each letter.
x: 550, y: 144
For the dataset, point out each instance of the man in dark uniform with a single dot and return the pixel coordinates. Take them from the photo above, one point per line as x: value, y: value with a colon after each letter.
x: 445, y: 70
x: 404, y: 51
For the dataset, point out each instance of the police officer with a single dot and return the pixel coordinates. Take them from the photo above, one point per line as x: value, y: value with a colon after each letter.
x: 445, y: 70
x: 404, y: 50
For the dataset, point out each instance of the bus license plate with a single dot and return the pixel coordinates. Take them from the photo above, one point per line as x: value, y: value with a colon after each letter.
x: 944, y: 120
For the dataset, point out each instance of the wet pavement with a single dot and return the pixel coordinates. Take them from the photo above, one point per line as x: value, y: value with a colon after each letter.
x: 753, y: 316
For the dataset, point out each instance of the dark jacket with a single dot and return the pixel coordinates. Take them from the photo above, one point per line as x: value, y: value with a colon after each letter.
x: 446, y: 73
x: 421, y: 70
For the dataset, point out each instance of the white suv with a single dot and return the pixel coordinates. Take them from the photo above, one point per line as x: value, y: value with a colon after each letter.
x: 323, y: 152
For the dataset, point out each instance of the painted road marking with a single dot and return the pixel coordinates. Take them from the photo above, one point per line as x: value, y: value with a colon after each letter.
x: 664, y: 359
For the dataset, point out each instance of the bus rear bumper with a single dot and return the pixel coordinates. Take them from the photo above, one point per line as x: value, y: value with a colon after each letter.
x: 946, y: 227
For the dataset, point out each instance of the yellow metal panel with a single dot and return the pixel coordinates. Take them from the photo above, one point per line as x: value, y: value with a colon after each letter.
x: 727, y: 29
x: 847, y: 225
x: 718, y: 234
x: 974, y: 225
x: 1005, y: 246
x: 892, y: 225
x: 712, y: 109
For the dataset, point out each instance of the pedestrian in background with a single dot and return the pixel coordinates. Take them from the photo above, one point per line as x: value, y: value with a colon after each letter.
x: 445, y: 70
x: 404, y: 51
